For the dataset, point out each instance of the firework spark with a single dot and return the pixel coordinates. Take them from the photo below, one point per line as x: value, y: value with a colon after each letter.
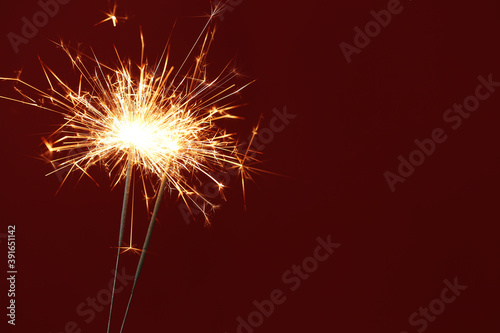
x: 111, y: 16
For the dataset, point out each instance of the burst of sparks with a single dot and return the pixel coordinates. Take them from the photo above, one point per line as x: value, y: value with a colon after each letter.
x: 163, y: 122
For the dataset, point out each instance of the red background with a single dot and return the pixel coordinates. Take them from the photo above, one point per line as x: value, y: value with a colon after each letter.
x: 353, y: 120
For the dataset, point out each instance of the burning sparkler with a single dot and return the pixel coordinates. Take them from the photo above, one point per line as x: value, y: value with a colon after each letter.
x: 153, y: 120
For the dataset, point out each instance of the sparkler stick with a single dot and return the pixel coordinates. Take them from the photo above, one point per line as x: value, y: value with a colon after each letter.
x: 146, y: 243
x: 122, y: 229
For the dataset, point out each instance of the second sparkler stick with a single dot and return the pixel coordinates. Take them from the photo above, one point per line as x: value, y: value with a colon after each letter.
x: 146, y: 243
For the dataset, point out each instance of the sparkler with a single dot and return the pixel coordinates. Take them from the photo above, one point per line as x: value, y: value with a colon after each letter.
x: 111, y: 16
x: 150, y: 120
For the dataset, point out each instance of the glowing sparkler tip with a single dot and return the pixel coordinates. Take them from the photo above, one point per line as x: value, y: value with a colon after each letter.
x: 136, y: 135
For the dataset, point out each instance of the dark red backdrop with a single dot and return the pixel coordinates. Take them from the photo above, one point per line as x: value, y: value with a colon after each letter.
x: 352, y: 122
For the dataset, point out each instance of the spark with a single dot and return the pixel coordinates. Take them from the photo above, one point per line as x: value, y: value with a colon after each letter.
x: 111, y: 16
x: 130, y: 248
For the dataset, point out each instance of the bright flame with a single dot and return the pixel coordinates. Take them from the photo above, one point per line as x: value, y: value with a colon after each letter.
x: 137, y: 135
x: 145, y: 138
